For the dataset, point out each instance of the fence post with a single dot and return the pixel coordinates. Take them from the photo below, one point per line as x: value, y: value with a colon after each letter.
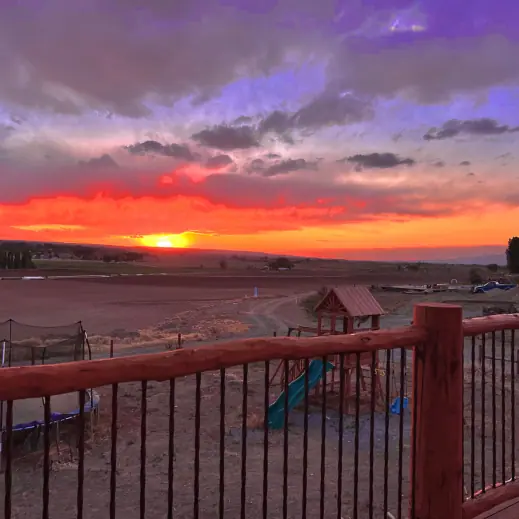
x: 437, y: 455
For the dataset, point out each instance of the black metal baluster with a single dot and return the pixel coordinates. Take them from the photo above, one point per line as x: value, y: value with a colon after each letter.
x: 171, y: 446
x: 356, y: 440
x: 473, y: 421
x: 483, y: 410
x: 245, y: 388
x: 512, y: 398
x: 413, y: 446
x: 81, y: 453
x: 323, y: 440
x: 341, y: 435
x: 305, y: 441
x: 46, y: 456
x: 386, y: 433
x: 503, y: 409
x: 221, y: 503
x: 285, y: 441
x: 374, y: 377
x: 196, y: 486
x: 113, y: 451
x: 462, y: 428
x: 266, y: 403
x: 403, y: 370
x: 8, y: 459
x: 494, y: 414
x: 144, y: 408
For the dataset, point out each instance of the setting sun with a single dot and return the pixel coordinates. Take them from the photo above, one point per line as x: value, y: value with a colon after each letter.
x: 167, y: 241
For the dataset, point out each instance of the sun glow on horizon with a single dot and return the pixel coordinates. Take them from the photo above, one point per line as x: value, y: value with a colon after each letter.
x: 166, y: 241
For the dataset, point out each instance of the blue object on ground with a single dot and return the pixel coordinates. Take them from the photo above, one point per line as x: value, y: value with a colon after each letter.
x: 491, y: 285
x: 396, y: 405
x: 296, y: 393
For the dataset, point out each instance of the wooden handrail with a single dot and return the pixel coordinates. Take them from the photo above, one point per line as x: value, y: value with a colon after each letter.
x: 53, y: 379
x: 490, y: 499
x: 491, y: 323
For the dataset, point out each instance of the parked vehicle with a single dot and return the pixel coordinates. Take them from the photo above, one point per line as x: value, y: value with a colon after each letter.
x: 492, y: 285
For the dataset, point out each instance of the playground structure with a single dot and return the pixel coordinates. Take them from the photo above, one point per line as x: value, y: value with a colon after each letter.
x: 350, y: 306
x: 25, y: 420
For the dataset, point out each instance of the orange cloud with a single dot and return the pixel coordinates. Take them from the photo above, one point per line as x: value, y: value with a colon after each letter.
x: 305, y: 229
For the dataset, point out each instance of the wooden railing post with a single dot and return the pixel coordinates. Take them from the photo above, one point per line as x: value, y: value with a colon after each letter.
x: 438, y: 432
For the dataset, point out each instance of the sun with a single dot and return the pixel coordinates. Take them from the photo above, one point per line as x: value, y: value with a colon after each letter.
x: 166, y: 241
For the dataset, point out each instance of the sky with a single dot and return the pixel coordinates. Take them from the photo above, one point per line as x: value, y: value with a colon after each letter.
x: 337, y: 128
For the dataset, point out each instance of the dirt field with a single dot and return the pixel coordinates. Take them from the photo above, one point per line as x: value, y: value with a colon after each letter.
x: 145, y: 313
x: 202, y: 304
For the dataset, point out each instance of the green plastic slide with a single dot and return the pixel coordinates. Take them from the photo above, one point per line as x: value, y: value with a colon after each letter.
x: 296, y: 393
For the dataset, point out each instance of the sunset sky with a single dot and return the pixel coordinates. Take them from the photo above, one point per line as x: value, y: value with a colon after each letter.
x: 313, y: 127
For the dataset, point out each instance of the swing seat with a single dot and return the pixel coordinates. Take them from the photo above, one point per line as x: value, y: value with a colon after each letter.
x: 396, y: 406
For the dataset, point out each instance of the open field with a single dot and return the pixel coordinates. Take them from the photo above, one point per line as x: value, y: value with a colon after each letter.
x: 210, y: 264
x: 150, y: 310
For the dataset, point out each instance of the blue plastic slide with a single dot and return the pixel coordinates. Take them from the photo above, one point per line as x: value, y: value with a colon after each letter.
x: 296, y: 393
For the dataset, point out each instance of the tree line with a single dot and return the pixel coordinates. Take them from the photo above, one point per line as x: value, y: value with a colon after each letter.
x: 512, y: 255
x: 11, y: 260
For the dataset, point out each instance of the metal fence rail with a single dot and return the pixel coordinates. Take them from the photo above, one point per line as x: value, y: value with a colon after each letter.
x: 318, y: 463
x: 490, y: 414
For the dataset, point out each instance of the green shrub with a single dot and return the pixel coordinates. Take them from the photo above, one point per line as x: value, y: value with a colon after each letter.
x: 476, y: 276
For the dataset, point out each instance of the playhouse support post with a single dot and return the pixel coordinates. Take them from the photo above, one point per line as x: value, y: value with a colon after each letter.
x: 333, y: 320
x: 437, y: 455
x: 375, y: 322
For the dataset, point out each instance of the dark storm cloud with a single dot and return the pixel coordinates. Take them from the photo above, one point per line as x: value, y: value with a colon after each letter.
x: 104, y: 162
x: 332, y: 109
x: 465, y: 163
x: 379, y: 160
x: 276, y: 122
x: 219, y: 161
x: 288, y: 166
x: 177, y: 151
x: 224, y: 137
x: 120, y: 52
x: 326, y: 109
x: 455, y: 127
x: 243, y: 119
x: 460, y: 49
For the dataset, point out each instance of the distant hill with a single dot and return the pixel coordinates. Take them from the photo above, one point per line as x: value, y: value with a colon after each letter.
x: 474, y: 255
x: 483, y: 259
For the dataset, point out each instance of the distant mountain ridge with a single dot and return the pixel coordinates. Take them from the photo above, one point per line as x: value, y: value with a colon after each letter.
x: 484, y: 259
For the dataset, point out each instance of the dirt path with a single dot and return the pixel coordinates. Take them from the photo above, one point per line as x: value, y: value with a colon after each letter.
x: 277, y: 314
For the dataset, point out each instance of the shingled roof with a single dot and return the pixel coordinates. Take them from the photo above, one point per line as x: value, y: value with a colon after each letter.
x: 353, y: 300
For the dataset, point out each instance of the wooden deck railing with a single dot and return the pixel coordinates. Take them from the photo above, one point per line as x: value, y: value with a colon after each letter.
x: 437, y: 341
x: 492, y: 370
